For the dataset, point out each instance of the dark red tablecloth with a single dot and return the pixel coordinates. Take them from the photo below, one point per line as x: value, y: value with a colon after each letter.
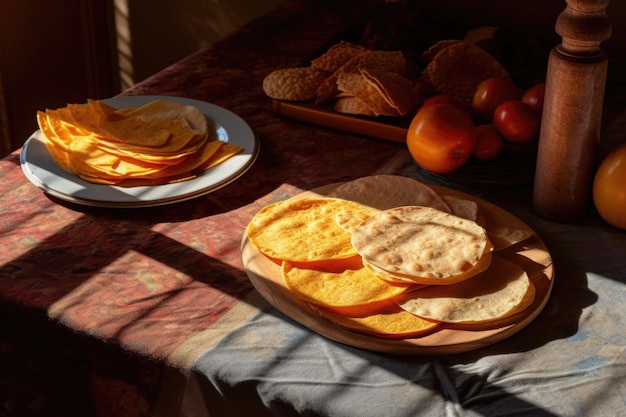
x: 107, y: 312
x: 106, y: 296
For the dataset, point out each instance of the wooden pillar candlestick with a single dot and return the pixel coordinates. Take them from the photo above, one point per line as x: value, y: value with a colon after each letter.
x: 572, y: 113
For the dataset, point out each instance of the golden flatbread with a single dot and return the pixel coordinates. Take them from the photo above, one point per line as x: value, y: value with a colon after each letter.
x: 345, y: 288
x: 390, y: 323
x: 302, y: 230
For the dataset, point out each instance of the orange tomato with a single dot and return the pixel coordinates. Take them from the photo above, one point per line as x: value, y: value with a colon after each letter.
x: 441, y: 137
x: 491, y: 93
x: 609, y: 188
x: 489, y: 143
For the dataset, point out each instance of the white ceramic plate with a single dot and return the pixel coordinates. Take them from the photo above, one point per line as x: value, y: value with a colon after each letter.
x: 41, y: 169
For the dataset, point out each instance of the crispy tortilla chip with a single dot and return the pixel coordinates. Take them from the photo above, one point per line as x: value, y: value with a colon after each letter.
x: 400, y: 93
x: 457, y: 70
x: 336, y: 56
x: 358, y: 86
x: 327, y: 90
x: 388, y: 72
x: 294, y: 84
x: 381, y: 81
x: 482, y: 36
x: 353, y: 105
x: 384, y: 61
x: 330, y: 89
x: 429, y: 54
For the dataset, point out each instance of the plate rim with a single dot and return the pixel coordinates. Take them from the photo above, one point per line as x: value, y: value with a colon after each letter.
x: 226, y: 120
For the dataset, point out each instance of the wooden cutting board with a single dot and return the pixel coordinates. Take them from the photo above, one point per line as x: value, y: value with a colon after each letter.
x: 384, y: 128
x: 531, y: 254
x: 515, y: 166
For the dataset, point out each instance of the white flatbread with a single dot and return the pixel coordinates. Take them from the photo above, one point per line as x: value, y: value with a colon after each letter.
x: 387, y: 191
x: 424, y: 242
x: 501, y: 291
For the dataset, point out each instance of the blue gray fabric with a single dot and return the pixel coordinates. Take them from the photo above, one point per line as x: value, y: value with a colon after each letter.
x: 570, y: 361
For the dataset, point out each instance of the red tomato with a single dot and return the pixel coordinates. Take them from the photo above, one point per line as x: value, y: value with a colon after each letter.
x: 491, y: 93
x: 533, y: 97
x: 441, y: 137
x: 489, y: 143
x: 516, y: 121
x: 609, y: 188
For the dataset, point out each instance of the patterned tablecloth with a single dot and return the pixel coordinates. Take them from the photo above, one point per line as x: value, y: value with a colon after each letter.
x: 148, y: 311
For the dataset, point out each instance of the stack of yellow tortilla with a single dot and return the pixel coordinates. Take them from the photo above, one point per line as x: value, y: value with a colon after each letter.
x: 160, y: 142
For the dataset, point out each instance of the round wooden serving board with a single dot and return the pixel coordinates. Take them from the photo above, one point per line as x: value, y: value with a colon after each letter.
x: 531, y: 254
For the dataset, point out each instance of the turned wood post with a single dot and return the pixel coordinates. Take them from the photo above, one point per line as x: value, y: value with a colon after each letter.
x: 570, y: 127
